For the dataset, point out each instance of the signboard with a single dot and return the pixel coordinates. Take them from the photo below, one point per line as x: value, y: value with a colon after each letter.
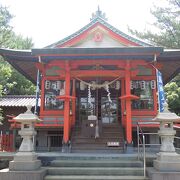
x: 113, y: 144
x: 161, y: 96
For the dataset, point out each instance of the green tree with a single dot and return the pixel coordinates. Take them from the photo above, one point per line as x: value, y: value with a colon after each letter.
x: 5, y: 28
x: 168, y: 25
x: 168, y: 36
x: 11, y: 81
x: 173, y: 96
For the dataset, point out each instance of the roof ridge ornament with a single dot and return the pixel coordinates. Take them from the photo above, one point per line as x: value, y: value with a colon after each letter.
x: 99, y: 14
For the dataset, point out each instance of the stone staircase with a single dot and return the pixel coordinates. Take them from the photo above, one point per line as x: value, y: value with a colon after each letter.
x: 110, y: 133
x: 95, y: 168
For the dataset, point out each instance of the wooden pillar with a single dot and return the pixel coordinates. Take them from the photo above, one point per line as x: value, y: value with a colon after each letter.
x: 123, y: 103
x: 128, y: 122
x: 74, y: 103
x: 67, y: 104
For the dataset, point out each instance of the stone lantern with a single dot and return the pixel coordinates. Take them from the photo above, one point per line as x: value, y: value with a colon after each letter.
x: 26, y: 158
x: 167, y: 158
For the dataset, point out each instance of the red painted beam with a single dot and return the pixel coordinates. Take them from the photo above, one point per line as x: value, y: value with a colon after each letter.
x: 97, y: 73
x: 76, y: 64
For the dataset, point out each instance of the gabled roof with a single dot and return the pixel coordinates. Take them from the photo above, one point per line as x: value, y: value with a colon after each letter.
x: 95, y: 22
x: 25, y: 61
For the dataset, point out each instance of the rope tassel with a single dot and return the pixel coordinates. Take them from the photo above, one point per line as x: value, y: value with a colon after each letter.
x: 108, y: 95
x: 89, y: 95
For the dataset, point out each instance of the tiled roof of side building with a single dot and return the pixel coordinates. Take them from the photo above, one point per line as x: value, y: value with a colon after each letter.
x: 18, y: 100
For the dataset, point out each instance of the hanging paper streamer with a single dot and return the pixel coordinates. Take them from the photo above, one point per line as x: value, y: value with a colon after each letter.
x: 98, y: 86
x: 108, y: 95
x: 89, y: 96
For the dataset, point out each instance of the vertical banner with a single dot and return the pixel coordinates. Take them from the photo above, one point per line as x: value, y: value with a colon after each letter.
x: 161, y: 95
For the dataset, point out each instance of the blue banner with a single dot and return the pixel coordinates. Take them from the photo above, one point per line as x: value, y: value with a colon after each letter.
x: 161, y: 95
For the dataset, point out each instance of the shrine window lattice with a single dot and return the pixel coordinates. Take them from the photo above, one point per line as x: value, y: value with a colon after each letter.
x: 53, y: 89
x: 144, y: 90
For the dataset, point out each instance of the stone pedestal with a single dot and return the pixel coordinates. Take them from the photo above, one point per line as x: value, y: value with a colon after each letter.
x: 167, y: 158
x: 26, y: 158
x: 25, y: 164
x: 25, y: 161
x: 167, y: 164
x: 154, y: 174
x: 167, y: 161
x: 6, y: 174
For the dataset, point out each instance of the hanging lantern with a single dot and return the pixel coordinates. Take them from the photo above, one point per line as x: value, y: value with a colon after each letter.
x: 143, y: 85
x: 82, y: 86
x: 136, y: 84
x: 47, y: 84
x: 153, y: 84
x: 56, y: 85
x: 118, y: 85
x: 132, y: 85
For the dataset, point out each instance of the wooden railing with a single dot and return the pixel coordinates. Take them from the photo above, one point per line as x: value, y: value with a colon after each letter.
x: 6, y: 142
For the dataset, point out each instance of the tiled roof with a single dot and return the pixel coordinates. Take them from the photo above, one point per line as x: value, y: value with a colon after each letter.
x: 93, y: 22
x: 18, y: 100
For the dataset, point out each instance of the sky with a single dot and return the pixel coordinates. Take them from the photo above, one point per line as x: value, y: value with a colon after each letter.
x: 48, y: 21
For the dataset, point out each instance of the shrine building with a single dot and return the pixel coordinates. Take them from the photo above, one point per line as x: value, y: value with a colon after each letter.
x: 94, y: 87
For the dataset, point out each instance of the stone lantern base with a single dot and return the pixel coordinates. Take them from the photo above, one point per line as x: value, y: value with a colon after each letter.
x: 6, y: 174
x: 167, y: 161
x: 25, y: 161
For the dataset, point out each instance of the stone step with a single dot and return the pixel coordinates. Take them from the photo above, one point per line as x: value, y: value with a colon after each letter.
x: 95, y: 146
x: 90, y: 177
x: 103, y: 131
x: 99, y: 139
x: 118, y: 171
x: 95, y: 163
x: 85, y: 156
x: 101, y: 136
x: 98, y: 151
x: 110, y: 133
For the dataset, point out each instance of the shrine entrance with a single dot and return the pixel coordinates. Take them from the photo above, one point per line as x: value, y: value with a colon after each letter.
x: 98, y: 117
x: 101, y: 102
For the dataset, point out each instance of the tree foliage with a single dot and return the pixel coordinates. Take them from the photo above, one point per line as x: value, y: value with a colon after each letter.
x: 168, y: 35
x: 168, y: 25
x: 11, y: 81
x: 173, y: 96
